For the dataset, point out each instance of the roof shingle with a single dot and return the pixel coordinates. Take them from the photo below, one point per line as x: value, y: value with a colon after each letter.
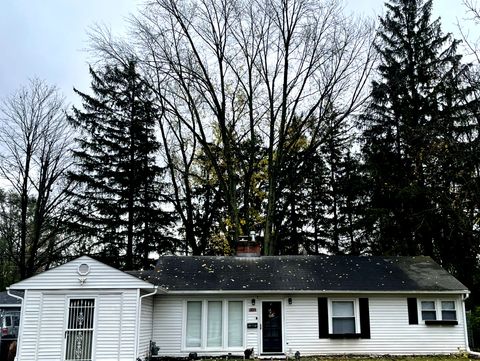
x: 301, y: 273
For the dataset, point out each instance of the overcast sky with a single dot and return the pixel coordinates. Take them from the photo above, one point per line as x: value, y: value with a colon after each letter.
x: 48, y: 38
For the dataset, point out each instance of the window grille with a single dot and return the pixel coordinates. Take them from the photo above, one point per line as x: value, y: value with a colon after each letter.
x: 79, y: 333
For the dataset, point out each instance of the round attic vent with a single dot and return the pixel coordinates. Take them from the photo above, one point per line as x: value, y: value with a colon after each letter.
x: 83, y: 269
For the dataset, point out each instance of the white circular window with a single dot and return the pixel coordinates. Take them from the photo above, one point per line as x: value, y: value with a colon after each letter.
x: 83, y: 269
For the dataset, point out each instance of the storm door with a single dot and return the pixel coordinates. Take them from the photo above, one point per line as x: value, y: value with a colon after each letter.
x: 272, y: 326
x: 79, y: 332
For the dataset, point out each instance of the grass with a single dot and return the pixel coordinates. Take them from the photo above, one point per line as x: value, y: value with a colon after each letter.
x: 453, y: 357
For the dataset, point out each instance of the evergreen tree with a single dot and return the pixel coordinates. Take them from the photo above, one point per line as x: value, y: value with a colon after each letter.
x: 119, y: 199
x: 417, y: 120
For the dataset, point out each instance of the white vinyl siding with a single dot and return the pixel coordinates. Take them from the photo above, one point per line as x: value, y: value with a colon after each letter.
x: 45, y: 323
x: 146, y: 328
x: 100, y: 276
x: 390, y: 331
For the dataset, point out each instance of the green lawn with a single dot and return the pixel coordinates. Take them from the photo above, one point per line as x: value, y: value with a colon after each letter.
x: 455, y: 357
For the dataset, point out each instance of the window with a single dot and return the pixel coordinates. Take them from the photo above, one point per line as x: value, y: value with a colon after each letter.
x: 343, y: 317
x: 194, y: 324
x: 214, y: 324
x: 235, y: 324
x: 79, y: 333
x: 221, y: 328
x: 428, y: 310
x: 438, y: 311
x: 448, y: 311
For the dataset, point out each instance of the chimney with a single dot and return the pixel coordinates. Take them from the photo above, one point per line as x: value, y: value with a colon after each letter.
x: 248, y: 247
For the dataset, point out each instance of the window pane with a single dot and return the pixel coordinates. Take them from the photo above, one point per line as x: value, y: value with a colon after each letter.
x: 235, y: 324
x: 343, y: 325
x: 448, y: 305
x: 428, y: 305
x: 429, y: 315
x: 342, y: 309
x: 194, y: 324
x: 449, y: 315
x: 214, y: 325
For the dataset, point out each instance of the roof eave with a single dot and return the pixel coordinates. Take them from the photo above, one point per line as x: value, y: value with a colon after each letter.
x: 180, y: 292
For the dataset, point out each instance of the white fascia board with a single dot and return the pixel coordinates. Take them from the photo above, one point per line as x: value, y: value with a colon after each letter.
x: 459, y: 292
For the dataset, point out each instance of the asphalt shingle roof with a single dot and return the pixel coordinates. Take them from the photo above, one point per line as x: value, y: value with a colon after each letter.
x: 5, y: 299
x: 301, y: 273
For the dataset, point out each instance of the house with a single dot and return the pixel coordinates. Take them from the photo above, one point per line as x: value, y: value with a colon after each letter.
x: 316, y: 305
x: 9, y: 321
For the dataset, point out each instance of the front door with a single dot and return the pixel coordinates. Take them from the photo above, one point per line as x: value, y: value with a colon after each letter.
x: 272, y: 326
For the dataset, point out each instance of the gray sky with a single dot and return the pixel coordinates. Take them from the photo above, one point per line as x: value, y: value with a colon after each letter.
x: 48, y: 38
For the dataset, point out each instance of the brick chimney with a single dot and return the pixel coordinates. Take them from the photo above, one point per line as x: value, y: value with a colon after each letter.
x: 248, y: 247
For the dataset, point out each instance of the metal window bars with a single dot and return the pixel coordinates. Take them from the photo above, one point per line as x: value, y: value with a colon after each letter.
x: 79, y: 332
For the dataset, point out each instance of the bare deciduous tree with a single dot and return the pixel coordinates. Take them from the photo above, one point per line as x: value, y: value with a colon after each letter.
x: 35, y: 139
x: 238, y: 72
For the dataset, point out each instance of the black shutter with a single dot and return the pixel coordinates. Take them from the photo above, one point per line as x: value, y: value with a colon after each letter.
x: 364, y: 318
x: 412, y: 311
x: 323, y: 317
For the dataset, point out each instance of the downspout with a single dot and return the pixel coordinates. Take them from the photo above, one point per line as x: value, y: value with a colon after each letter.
x: 139, y: 315
x: 465, y: 329
x: 20, y: 327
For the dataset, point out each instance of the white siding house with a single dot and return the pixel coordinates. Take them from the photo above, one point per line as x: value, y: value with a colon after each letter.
x: 214, y: 306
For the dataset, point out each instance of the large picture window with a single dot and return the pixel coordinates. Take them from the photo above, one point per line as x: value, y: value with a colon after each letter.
x: 79, y: 332
x: 212, y: 324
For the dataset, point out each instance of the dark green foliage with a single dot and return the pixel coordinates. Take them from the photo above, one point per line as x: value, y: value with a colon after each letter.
x: 320, y: 206
x: 417, y: 142
x: 119, y: 195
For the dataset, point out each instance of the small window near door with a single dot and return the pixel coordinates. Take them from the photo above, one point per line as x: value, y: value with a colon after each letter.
x: 343, y: 317
x: 235, y: 324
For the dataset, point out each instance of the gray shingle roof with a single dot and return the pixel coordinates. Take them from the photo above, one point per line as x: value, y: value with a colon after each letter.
x: 301, y: 273
x: 5, y: 299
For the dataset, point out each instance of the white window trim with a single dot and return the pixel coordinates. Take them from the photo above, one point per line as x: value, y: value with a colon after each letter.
x: 356, y: 313
x: 204, y: 326
x: 65, y: 321
x: 438, y: 308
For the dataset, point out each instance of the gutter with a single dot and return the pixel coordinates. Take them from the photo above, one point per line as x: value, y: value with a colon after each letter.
x: 22, y: 312
x: 465, y: 329
x: 139, y: 315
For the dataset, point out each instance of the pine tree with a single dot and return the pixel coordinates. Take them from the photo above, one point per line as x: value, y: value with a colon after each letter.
x: 119, y: 197
x: 417, y: 117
